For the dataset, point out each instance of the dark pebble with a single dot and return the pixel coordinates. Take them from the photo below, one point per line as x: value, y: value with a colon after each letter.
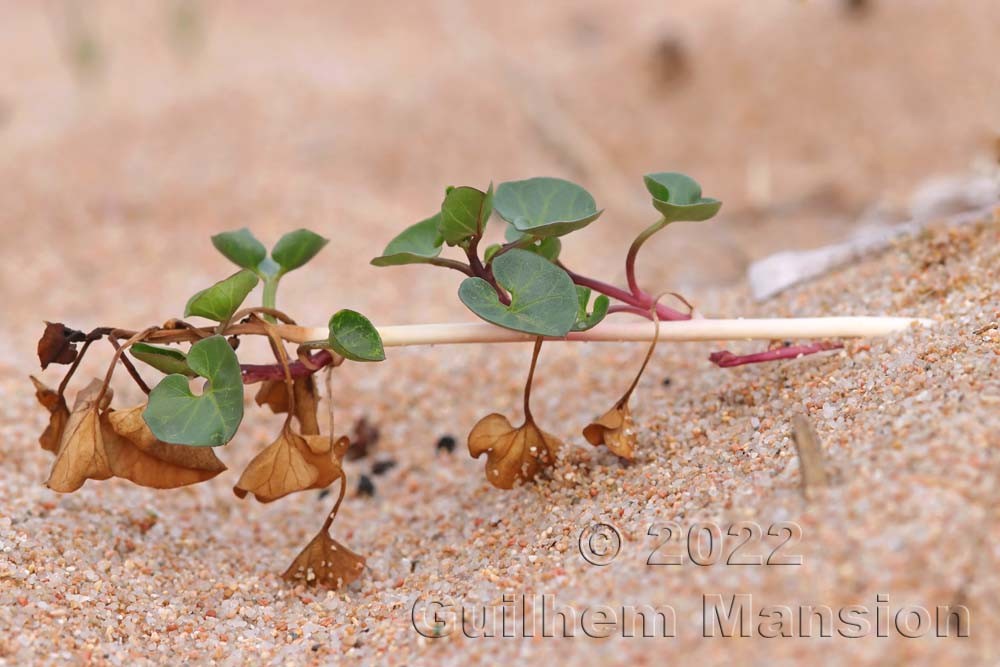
x: 382, y: 467
x: 447, y: 443
x: 666, y: 382
x: 366, y: 487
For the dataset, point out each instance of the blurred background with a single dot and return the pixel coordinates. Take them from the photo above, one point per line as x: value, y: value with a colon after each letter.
x: 130, y: 132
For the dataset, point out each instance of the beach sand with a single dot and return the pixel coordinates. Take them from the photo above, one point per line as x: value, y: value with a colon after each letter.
x: 112, y: 193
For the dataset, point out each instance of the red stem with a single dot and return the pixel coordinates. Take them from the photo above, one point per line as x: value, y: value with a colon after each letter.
x: 726, y: 359
x: 642, y: 302
x: 633, y: 284
x: 260, y: 372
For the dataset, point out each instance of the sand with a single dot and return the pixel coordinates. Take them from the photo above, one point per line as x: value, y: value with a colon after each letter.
x: 113, y: 188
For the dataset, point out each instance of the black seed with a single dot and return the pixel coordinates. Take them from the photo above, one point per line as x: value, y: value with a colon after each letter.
x: 666, y: 382
x: 366, y: 487
x: 382, y: 467
x: 447, y: 443
x: 324, y: 493
x: 316, y: 647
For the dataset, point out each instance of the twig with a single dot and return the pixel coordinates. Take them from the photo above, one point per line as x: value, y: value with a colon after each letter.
x: 132, y: 371
x: 687, y: 330
x: 810, y: 455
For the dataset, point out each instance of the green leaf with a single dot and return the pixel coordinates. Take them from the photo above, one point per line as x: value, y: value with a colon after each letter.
x: 584, y: 320
x: 678, y: 197
x: 548, y: 248
x: 222, y: 299
x: 543, y: 298
x: 354, y: 337
x: 415, y: 245
x: 177, y: 416
x: 164, y: 359
x: 545, y: 207
x: 296, y: 248
x: 464, y: 213
x: 491, y: 250
x: 241, y: 248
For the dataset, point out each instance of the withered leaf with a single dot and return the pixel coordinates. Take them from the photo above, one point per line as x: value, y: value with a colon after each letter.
x: 512, y: 453
x: 58, y: 344
x: 135, y: 454
x: 82, y: 454
x: 292, y: 463
x: 274, y: 395
x: 614, y: 430
x: 325, y: 562
x: 306, y: 404
x: 58, y: 416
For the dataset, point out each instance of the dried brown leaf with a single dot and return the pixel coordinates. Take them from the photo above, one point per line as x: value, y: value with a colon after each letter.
x: 291, y: 463
x: 306, y: 404
x: 325, y: 562
x: 82, y: 454
x: 511, y: 453
x: 58, y: 416
x: 274, y: 395
x: 614, y: 430
x: 58, y: 344
x: 135, y: 454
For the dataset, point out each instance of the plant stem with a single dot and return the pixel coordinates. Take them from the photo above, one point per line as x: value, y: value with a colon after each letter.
x: 451, y: 264
x: 726, y: 359
x: 642, y: 301
x: 531, y: 376
x: 260, y: 372
x: 633, y: 252
x: 270, y: 297
x: 270, y: 292
x: 484, y: 272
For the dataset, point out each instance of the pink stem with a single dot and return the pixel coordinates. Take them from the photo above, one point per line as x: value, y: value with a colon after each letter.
x: 726, y: 359
x: 641, y: 302
x: 259, y: 372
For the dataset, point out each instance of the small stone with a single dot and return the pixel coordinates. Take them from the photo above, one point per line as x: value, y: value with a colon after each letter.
x: 446, y: 443
x: 366, y: 487
x: 382, y: 467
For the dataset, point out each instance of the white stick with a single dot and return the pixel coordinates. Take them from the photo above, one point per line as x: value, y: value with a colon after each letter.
x: 687, y: 330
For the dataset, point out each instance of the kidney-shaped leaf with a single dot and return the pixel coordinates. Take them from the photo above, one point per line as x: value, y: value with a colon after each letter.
x: 545, y: 206
x: 354, y: 337
x: 415, y: 245
x: 177, y: 416
x: 241, y: 248
x: 549, y: 248
x: 296, y: 248
x: 222, y: 299
x: 543, y: 299
x: 678, y: 197
x: 164, y: 359
x: 464, y: 213
x: 585, y: 320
